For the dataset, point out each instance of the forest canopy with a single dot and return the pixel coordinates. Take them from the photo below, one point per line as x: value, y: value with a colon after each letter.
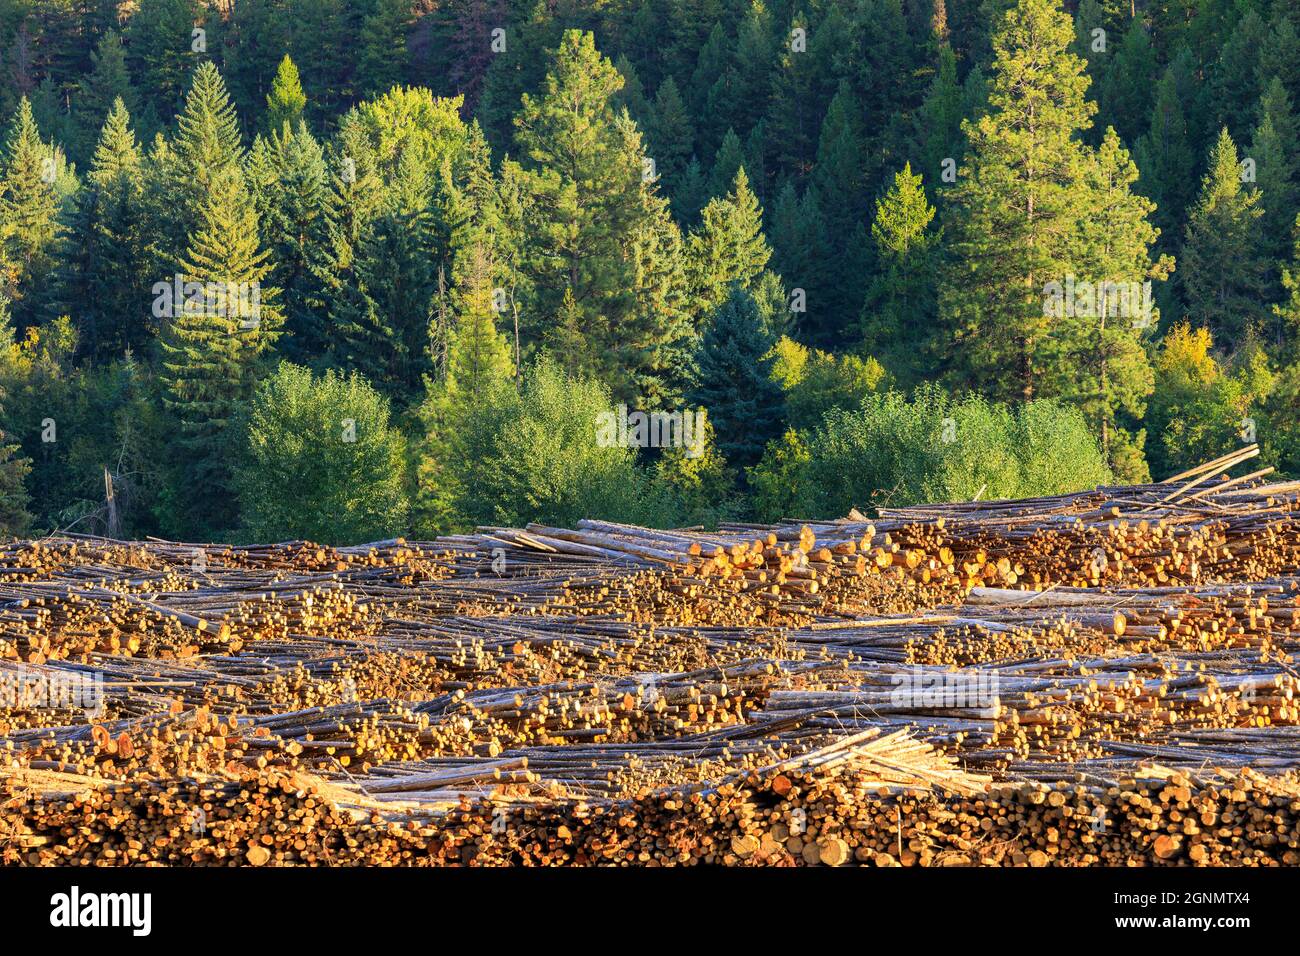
x: 350, y: 270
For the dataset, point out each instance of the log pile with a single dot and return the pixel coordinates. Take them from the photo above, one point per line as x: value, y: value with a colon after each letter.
x: 1106, y: 677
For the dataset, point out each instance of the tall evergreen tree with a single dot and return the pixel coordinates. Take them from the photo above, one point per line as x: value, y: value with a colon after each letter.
x: 603, y: 243
x: 384, y: 55
x: 1015, y: 210
x: 29, y: 214
x: 1164, y: 155
x: 104, y: 280
x: 898, y: 316
x: 1224, y: 275
x: 108, y: 81
x: 729, y: 247
x: 213, y: 342
x: 734, y: 380
x: 286, y: 101
x: 161, y: 50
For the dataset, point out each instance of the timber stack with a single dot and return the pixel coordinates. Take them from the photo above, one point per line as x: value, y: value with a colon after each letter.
x: 1099, y: 678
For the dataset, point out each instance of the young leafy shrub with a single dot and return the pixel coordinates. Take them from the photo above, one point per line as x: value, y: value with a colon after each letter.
x: 321, y: 462
x: 896, y: 451
x: 542, y: 460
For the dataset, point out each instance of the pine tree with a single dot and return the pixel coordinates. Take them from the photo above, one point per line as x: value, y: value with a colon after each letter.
x: 601, y: 237
x: 900, y: 302
x: 1015, y: 209
x: 728, y: 248
x: 1234, y: 84
x: 29, y: 208
x: 939, y: 134
x: 1128, y: 80
x: 108, y: 81
x: 1100, y: 365
x: 800, y: 252
x: 734, y: 381
x: 1280, y: 55
x: 286, y: 101
x: 208, y: 148
x: 728, y: 162
x: 290, y: 183
x: 384, y: 53
x: 669, y: 134
x: 1224, y: 276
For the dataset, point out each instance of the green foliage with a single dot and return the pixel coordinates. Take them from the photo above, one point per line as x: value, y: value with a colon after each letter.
x: 933, y: 447
x: 1224, y: 276
x: 321, y: 461
x: 733, y: 379
x: 900, y: 302
x: 540, y: 460
x: 1201, y: 408
x: 286, y: 101
x: 814, y: 381
x: 778, y: 483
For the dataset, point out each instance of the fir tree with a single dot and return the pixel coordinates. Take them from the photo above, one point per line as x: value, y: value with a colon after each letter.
x: 900, y: 302
x: 162, y: 51
x: 594, y: 220
x: 729, y: 247
x: 670, y: 135
x: 104, y: 280
x: 108, y: 81
x: 734, y: 380
x: 286, y: 101
x: 1164, y: 155
x: 1275, y: 149
x: 383, y: 46
x: 29, y: 207
x: 212, y: 344
x: 1224, y: 276
x: 290, y: 183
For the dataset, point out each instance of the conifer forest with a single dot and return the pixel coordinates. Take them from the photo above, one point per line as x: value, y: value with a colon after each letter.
x: 281, y: 269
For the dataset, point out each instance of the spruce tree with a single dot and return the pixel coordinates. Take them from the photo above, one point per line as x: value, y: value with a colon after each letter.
x: 1224, y: 275
x: 604, y: 252
x: 212, y: 345
x: 384, y: 55
x: 161, y: 50
x: 1275, y: 149
x: 1099, y: 361
x: 290, y: 183
x: 728, y: 248
x: 734, y: 381
x: 1164, y: 155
